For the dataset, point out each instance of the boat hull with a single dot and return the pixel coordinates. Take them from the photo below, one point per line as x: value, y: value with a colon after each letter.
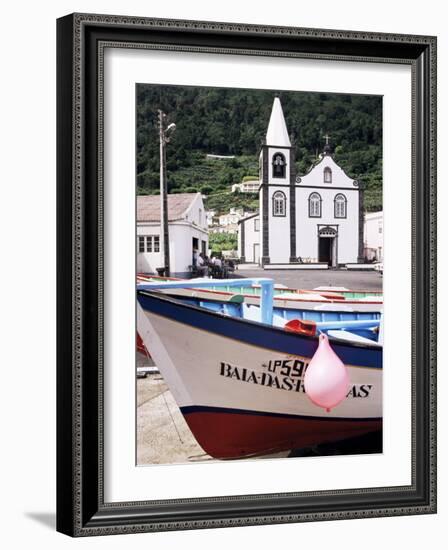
x: 229, y: 434
x: 239, y: 384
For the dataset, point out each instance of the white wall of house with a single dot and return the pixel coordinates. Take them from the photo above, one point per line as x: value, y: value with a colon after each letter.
x: 252, y: 251
x: 181, y: 233
x: 196, y: 213
x: 181, y: 247
x: 148, y: 262
x: 181, y: 236
x: 232, y: 217
x: 373, y: 235
x: 250, y: 186
x: 210, y: 214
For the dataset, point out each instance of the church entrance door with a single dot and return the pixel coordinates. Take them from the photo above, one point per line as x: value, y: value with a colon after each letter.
x: 326, y: 250
x: 327, y: 246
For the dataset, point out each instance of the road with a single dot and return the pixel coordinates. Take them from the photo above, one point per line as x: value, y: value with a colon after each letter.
x: 309, y: 279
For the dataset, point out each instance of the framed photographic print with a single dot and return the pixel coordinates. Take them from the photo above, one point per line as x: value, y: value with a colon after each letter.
x: 246, y: 274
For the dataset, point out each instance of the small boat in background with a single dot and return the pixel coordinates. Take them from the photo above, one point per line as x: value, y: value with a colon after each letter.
x: 284, y: 297
x: 348, y: 294
x: 237, y: 372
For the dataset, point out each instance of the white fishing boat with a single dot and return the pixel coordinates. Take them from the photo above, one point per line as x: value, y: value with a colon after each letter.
x: 240, y: 380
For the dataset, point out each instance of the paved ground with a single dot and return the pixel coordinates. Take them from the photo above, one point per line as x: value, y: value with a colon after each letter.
x: 163, y: 436
x: 309, y: 279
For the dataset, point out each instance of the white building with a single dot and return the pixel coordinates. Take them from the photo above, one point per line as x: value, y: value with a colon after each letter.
x: 210, y: 214
x: 249, y: 239
x: 231, y: 228
x: 313, y: 219
x: 250, y: 186
x: 187, y: 227
x: 231, y: 218
x: 373, y: 236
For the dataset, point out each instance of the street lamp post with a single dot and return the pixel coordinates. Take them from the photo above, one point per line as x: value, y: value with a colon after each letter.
x: 164, y: 232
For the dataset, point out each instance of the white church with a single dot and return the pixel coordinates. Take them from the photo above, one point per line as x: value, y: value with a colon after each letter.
x: 304, y: 221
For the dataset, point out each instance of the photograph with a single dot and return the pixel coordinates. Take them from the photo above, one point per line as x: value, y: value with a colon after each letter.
x: 231, y: 350
x: 259, y: 274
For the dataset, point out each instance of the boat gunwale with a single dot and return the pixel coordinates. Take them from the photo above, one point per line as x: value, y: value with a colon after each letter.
x: 285, y: 290
x: 279, y: 297
x: 164, y: 298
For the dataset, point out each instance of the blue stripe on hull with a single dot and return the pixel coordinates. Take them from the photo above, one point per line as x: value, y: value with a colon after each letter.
x: 256, y: 334
x: 204, y: 409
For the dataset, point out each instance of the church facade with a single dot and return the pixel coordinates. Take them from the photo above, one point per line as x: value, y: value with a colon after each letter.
x: 310, y: 220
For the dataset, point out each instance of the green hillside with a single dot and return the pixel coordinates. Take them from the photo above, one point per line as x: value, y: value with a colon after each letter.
x: 225, y: 121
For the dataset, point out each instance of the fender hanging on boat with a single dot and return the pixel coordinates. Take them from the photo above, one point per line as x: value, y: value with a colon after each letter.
x: 326, y: 379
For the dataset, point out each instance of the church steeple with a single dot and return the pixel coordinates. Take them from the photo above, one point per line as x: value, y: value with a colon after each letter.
x: 277, y: 133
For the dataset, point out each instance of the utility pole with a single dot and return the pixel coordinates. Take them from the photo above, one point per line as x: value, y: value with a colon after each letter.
x: 164, y: 234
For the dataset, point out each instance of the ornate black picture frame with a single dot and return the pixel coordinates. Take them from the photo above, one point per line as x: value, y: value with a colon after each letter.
x: 81, y: 509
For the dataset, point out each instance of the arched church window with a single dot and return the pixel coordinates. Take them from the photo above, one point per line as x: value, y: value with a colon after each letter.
x: 340, y: 206
x: 279, y: 204
x: 327, y: 175
x: 278, y: 165
x: 314, y: 205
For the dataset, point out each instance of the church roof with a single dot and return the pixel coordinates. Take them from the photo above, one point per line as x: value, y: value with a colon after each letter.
x: 277, y: 133
x: 148, y: 206
x: 242, y: 220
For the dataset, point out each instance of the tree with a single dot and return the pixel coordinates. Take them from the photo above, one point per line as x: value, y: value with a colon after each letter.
x: 234, y: 122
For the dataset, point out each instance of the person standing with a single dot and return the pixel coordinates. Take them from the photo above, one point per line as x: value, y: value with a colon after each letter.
x: 202, y: 265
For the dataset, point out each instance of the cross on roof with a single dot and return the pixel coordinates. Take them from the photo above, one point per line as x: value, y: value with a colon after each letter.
x: 327, y: 137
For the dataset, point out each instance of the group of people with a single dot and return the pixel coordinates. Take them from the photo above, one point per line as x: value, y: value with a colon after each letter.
x: 215, y: 266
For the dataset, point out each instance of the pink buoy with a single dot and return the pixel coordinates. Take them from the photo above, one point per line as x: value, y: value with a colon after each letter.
x: 326, y: 379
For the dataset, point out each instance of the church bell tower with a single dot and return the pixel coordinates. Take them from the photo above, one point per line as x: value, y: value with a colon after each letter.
x: 277, y: 192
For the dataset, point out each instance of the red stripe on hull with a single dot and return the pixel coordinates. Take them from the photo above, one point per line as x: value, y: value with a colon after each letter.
x: 232, y: 435
x: 141, y: 348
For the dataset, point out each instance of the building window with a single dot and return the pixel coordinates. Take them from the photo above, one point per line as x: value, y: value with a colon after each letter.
x: 278, y: 165
x: 314, y: 205
x: 148, y: 243
x: 380, y: 228
x: 279, y: 204
x: 257, y: 224
x: 327, y: 175
x: 340, y: 206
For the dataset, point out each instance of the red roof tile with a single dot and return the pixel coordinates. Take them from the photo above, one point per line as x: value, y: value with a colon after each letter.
x: 148, y: 206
